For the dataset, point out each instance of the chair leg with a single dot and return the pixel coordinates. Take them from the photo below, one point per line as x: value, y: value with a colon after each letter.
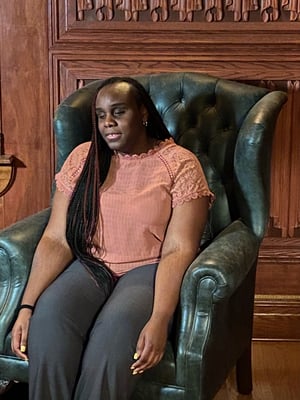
x: 244, y: 372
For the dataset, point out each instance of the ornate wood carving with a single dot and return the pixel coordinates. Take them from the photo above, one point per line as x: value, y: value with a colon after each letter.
x: 131, y: 8
x: 269, y: 10
x: 159, y: 10
x: 241, y: 8
x: 186, y: 8
x: 83, y: 5
x: 214, y: 10
x: 104, y: 10
x: 209, y: 10
x: 293, y: 6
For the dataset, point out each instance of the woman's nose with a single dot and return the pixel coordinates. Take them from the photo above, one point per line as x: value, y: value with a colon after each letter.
x: 109, y: 121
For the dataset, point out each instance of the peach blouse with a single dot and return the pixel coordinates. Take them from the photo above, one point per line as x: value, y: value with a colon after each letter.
x: 136, y: 200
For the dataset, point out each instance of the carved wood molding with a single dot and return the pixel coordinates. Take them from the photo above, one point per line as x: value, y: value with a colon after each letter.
x: 187, y: 10
x: 145, y: 22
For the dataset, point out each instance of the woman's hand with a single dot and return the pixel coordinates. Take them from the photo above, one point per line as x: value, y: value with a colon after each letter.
x: 150, y: 346
x: 20, y: 334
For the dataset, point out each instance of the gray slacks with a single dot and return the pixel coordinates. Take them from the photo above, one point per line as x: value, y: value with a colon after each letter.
x: 81, y: 344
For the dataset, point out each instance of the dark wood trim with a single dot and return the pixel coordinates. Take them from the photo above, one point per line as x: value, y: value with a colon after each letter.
x: 277, y: 300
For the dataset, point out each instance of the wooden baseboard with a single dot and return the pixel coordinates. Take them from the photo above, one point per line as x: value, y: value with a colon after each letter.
x: 277, y: 317
x: 277, y: 299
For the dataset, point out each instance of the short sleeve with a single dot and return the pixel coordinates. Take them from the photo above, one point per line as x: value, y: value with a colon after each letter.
x: 67, y: 177
x: 189, y: 180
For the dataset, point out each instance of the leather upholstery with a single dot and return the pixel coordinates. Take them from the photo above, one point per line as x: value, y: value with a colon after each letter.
x: 229, y: 126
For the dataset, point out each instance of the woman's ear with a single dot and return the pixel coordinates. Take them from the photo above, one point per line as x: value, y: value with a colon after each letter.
x: 145, y: 114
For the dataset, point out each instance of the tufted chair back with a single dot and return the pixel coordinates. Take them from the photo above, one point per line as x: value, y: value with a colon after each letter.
x: 219, y: 120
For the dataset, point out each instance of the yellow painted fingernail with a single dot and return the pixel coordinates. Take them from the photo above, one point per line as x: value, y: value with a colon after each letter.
x: 23, y: 348
x: 136, y: 356
x: 134, y: 372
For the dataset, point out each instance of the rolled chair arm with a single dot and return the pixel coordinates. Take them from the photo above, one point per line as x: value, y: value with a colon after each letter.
x: 17, y: 245
x: 212, y: 279
x: 226, y: 261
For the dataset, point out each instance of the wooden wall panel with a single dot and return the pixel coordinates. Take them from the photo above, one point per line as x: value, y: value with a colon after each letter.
x: 277, y: 306
x: 25, y: 106
x: 294, y: 205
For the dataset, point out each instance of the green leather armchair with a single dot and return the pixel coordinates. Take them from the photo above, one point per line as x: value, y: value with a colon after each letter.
x: 229, y: 126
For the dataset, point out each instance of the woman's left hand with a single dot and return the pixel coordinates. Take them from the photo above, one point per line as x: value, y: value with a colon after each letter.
x: 150, y: 346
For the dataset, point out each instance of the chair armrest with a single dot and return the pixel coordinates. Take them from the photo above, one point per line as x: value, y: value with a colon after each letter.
x: 17, y: 245
x: 209, y: 282
x: 225, y: 262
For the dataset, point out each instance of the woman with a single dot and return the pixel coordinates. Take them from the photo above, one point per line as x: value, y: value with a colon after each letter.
x: 126, y: 221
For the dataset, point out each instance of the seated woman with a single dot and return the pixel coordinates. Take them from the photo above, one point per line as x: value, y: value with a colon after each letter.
x: 126, y: 222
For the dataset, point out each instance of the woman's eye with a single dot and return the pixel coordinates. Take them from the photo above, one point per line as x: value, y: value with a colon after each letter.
x: 118, y: 112
x: 100, y: 116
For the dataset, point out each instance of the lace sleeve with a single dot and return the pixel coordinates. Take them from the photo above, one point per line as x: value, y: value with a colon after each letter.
x: 67, y: 177
x: 189, y: 182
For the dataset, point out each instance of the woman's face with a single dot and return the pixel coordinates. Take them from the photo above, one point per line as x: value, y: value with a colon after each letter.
x: 120, y: 119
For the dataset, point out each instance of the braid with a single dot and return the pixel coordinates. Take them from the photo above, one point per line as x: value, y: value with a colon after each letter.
x: 84, y: 210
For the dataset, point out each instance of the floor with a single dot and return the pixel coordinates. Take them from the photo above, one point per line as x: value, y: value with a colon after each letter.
x: 276, y: 373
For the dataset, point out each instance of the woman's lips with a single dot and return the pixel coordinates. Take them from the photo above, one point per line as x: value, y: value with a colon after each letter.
x: 113, y: 136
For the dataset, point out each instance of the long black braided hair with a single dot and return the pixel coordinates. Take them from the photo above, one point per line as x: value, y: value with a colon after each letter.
x: 84, y: 208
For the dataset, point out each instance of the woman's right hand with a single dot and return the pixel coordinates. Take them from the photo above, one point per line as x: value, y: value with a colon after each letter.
x: 20, y: 334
